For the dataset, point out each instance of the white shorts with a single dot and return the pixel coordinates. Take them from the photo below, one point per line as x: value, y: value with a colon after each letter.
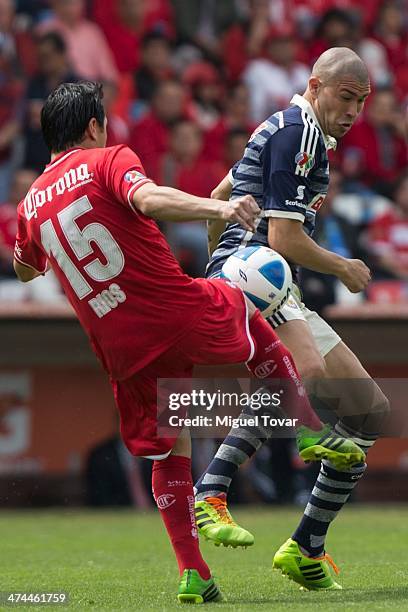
x: 294, y: 309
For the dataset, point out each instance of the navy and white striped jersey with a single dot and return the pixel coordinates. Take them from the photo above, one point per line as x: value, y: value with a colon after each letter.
x: 286, y: 169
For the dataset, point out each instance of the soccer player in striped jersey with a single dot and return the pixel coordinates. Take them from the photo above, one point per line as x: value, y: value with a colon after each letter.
x: 285, y: 167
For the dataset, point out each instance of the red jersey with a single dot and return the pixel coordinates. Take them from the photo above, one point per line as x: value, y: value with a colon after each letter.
x: 115, y: 266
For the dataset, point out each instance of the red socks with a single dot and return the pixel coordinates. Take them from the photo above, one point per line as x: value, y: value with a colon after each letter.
x: 273, y: 360
x: 173, y: 492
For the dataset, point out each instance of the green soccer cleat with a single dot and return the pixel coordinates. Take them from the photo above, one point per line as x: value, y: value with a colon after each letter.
x: 312, y: 573
x: 215, y: 523
x: 343, y: 453
x: 195, y: 590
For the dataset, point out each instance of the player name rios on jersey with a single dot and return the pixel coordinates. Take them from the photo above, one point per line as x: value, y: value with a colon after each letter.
x: 108, y: 299
x: 72, y: 179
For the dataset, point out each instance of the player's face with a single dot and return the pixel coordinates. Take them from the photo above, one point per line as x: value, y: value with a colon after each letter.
x: 338, y: 105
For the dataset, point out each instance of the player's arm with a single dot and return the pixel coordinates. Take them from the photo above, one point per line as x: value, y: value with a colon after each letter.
x: 168, y: 204
x: 286, y: 197
x: 24, y: 273
x: 216, y: 227
x: 124, y: 177
x: 223, y: 190
x: 288, y: 238
x: 29, y: 261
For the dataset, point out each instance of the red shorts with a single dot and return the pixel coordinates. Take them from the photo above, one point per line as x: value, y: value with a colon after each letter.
x: 221, y: 337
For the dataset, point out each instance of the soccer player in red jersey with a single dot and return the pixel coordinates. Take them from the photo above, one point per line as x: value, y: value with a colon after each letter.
x: 89, y: 216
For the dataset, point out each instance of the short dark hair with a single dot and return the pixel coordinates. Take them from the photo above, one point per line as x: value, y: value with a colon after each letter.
x: 154, y: 36
x: 67, y: 112
x: 238, y: 131
x: 55, y: 40
x: 184, y: 121
x: 335, y: 14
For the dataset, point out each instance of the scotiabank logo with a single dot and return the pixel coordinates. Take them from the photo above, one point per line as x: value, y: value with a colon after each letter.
x: 165, y: 501
x: 72, y: 179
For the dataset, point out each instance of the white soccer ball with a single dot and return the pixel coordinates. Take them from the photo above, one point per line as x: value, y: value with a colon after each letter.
x: 262, y: 274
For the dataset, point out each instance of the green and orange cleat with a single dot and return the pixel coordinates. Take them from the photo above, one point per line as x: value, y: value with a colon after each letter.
x: 310, y: 573
x: 215, y: 523
x: 312, y: 445
x: 195, y: 590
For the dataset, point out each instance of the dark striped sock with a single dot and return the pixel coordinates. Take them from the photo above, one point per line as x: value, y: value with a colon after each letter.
x: 240, y: 444
x: 330, y: 493
x: 364, y: 440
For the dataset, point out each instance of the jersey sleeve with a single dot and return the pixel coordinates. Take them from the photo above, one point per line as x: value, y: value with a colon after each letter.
x: 123, y: 174
x: 26, y: 250
x: 287, y: 158
x: 231, y: 173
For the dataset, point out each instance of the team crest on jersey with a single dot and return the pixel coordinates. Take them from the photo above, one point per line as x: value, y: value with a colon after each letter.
x: 133, y: 176
x: 304, y: 160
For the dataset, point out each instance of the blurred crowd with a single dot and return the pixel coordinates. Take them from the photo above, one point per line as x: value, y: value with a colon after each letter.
x: 186, y: 82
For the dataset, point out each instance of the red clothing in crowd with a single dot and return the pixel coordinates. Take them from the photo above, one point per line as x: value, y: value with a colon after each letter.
x: 396, y: 49
x: 383, y: 154
x: 234, y: 52
x: 124, y: 41
x: 26, y: 52
x: 388, y: 236
x: 8, y: 230
x: 198, y: 178
x: 149, y: 137
x: 216, y: 138
x: 367, y: 11
x: 401, y: 80
x: 89, y: 53
x: 10, y: 106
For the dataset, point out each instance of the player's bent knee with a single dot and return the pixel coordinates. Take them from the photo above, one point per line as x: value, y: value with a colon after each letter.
x: 313, y: 368
x: 182, y: 445
x: 374, y: 418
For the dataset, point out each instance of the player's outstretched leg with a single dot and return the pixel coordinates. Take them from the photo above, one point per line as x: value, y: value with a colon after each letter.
x: 363, y: 411
x: 302, y: 558
x: 173, y: 493
x: 297, y: 558
x: 315, y: 442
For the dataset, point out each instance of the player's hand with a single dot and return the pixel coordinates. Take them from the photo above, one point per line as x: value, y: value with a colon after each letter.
x: 243, y: 210
x: 356, y: 275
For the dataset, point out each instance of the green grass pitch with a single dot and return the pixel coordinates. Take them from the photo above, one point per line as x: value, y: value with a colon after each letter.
x: 123, y: 561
